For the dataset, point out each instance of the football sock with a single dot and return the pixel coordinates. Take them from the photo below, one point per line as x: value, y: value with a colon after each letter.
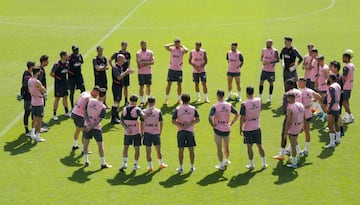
x: 75, y: 143
x: 263, y: 160
x: 271, y: 88
x: 252, y: 163
x: 102, y: 160
x: 261, y: 88
x: 86, y: 159
x: 141, y: 99
x: 307, y: 146
x: 66, y: 109
x: 149, y: 164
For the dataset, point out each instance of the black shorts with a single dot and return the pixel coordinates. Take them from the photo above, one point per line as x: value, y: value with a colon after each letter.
x: 151, y: 139
x: 221, y: 133
x: 197, y: 77
x: 346, y: 95
x: 117, y: 92
x: 269, y: 76
x: 233, y: 74
x: 132, y: 140
x: 27, y: 105
x: 78, y: 121
x: 102, y: 83
x: 308, y: 119
x: 252, y: 137
x: 97, y: 134
x: 61, y: 90
x: 288, y: 75
x: 37, y: 111
x: 336, y: 114
x: 185, y: 139
x: 310, y: 84
x: 175, y: 75
x: 76, y: 83
x: 144, y: 79
x: 126, y: 80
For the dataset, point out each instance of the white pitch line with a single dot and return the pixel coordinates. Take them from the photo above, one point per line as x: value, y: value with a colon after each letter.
x: 117, y: 26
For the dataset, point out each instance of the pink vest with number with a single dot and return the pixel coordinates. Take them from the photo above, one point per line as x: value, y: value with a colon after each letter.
x: 307, y: 95
x: 307, y: 63
x: 36, y: 96
x: 186, y: 113
x: 297, y: 119
x: 94, y: 109
x: 323, y: 75
x: 252, y: 114
x: 269, y: 55
x: 145, y: 56
x: 348, y: 84
x: 222, y: 116
x: 151, y: 121
x: 176, y: 59
x: 197, y: 58
x: 233, y: 61
x: 80, y: 104
x: 336, y: 105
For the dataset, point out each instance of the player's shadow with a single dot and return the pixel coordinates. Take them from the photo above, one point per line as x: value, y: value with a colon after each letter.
x: 197, y: 104
x: 109, y: 127
x: 326, y: 153
x: 131, y: 180
x: 243, y: 178
x: 165, y: 109
x: 61, y: 118
x: 266, y: 106
x: 284, y: 173
x: 278, y: 112
x: 20, y: 145
x: 71, y: 160
x: 215, y: 177
x: 176, y: 179
x: 81, y: 176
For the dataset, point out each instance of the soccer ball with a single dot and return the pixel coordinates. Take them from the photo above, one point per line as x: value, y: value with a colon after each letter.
x: 234, y: 96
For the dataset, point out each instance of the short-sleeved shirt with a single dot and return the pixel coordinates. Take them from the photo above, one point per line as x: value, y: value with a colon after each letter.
x: 95, y: 111
x: 221, y: 113
x: 75, y: 62
x: 24, y: 85
x: 42, y: 76
x: 185, y: 113
x: 234, y: 60
x: 116, y: 71
x: 60, y: 69
x: 289, y: 55
x: 145, y: 56
x: 127, y: 58
x: 251, y: 109
x: 100, y: 76
x: 152, y: 121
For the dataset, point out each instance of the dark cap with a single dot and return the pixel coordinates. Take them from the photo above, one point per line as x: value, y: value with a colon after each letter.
x: 288, y: 38
x: 320, y: 57
x: 74, y: 47
x: 44, y: 58
x: 30, y: 64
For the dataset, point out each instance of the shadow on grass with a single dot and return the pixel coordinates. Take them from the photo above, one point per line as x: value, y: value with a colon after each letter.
x: 213, y: 178
x: 266, y: 106
x: 326, y: 153
x: 53, y: 122
x: 109, y: 127
x: 197, y: 104
x: 243, y: 178
x: 71, y: 160
x: 278, y: 112
x: 284, y: 173
x: 130, y: 179
x: 81, y: 176
x: 20, y: 145
x: 176, y: 179
x: 165, y: 109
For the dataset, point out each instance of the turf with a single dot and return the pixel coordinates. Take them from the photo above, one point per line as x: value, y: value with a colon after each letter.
x: 48, y: 173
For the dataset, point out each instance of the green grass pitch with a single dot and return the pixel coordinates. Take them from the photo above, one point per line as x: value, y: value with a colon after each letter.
x: 47, y: 173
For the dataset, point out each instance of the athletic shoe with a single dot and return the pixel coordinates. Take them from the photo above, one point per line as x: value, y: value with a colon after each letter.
x: 149, y: 169
x: 166, y: 102
x: 142, y: 105
x: 105, y: 166
x: 28, y: 134
x: 278, y: 157
x: 33, y: 137
x: 86, y: 164
x: 268, y: 99
x: 228, y: 99
x: 192, y: 169
x: 260, y: 96
x: 349, y: 120
x: 136, y: 167
x: 342, y: 134
x: 238, y: 99
x: 306, y: 153
x: 287, y: 152
x: 329, y: 146
x: 162, y: 166
x: 249, y: 167
x: 75, y: 148
x: 265, y: 166
x: 39, y: 139
x: 301, y: 154
x: 220, y: 167
x: 68, y: 114
x: 227, y: 162
x: 180, y: 170
x: 207, y: 101
x: 44, y: 129
x: 292, y: 166
x: 56, y: 118
x: 338, y: 141
x: 198, y: 99
x: 123, y: 167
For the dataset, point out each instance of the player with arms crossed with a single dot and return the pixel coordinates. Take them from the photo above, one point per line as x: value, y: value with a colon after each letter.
x: 235, y: 61
x: 219, y: 119
x: 185, y: 117
x: 175, y: 73
x: 151, y: 128
x: 250, y: 127
x: 76, y: 80
x: 198, y: 59
x: 348, y: 78
x: 269, y: 57
x: 100, y: 66
x: 144, y: 59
